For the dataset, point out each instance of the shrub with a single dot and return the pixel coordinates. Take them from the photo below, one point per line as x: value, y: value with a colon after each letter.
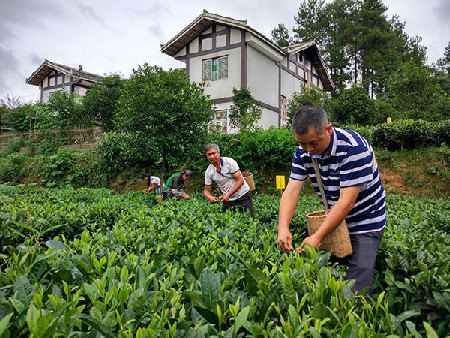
x: 411, y: 134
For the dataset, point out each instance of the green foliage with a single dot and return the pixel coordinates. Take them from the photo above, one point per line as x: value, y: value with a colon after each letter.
x: 307, y: 96
x: 13, y: 167
x: 245, y: 110
x: 119, y: 151
x: 100, y: 102
x: 62, y: 111
x: 166, y: 110
x: 354, y: 106
x: 417, y: 93
x: 89, y: 262
x: 280, y: 35
x: 356, y: 40
x: 20, y: 118
x: 413, y: 258
x: 411, y: 134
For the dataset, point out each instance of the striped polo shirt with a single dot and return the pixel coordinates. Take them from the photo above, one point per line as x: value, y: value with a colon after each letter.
x: 349, y: 161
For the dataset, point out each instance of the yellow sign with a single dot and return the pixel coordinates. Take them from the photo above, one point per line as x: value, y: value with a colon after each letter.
x: 280, y: 182
x: 389, y: 120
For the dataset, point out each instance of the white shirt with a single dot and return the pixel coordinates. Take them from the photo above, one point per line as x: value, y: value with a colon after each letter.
x: 224, y: 177
x: 155, y: 180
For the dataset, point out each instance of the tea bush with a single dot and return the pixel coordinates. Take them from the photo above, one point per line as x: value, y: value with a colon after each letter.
x: 92, y: 262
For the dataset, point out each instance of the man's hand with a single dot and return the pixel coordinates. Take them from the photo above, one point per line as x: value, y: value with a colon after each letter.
x: 311, y: 241
x: 213, y: 199
x: 225, y: 197
x: 284, y: 241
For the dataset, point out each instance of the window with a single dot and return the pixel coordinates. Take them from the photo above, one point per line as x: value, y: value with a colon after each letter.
x: 214, y: 69
x: 219, y: 123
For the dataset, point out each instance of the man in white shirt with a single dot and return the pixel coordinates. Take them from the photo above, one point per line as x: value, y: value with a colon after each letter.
x: 152, y: 183
x: 227, y: 175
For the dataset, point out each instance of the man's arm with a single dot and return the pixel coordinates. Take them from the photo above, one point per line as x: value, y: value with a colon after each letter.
x: 207, y: 193
x: 239, y: 183
x: 335, y: 216
x: 288, y: 203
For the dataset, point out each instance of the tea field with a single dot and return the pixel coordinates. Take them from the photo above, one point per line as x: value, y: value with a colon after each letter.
x: 90, y: 263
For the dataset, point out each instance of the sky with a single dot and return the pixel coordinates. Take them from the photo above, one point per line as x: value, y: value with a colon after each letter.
x: 115, y: 36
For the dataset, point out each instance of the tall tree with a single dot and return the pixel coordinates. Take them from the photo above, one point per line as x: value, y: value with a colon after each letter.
x: 311, y: 22
x: 280, y: 36
x: 165, y: 111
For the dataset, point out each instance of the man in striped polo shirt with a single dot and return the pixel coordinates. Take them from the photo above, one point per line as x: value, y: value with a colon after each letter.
x: 352, y: 188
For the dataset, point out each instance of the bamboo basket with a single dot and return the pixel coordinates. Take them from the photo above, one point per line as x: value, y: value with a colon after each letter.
x: 337, y: 241
x: 248, y: 177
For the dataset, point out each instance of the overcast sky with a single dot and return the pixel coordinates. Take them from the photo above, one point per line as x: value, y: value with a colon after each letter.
x: 115, y: 36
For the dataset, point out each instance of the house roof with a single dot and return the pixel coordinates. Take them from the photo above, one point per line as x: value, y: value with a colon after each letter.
x: 47, y: 67
x: 310, y: 49
x: 204, y: 20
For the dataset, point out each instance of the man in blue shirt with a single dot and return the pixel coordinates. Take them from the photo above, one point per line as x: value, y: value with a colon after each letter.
x: 352, y: 188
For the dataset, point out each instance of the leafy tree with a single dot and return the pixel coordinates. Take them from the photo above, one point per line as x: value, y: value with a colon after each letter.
x: 100, y: 102
x: 281, y: 36
x: 66, y: 110
x: 165, y: 111
x: 416, y: 92
x: 245, y: 110
x: 441, y: 69
x: 354, y: 106
x: 308, y: 95
x: 311, y: 22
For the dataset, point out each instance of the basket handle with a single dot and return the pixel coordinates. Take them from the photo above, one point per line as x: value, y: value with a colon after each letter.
x: 319, y: 182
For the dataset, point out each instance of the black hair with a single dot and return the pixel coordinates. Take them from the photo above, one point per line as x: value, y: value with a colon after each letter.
x: 144, y: 175
x: 309, y: 116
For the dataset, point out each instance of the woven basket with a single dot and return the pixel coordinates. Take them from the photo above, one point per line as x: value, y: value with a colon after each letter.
x: 337, y: 241
x: 248, y: 177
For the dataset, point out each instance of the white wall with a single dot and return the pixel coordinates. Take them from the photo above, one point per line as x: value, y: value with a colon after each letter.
x: 262, y: 77
x: 222, y: 87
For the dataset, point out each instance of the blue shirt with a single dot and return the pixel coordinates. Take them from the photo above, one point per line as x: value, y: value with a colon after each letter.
x: 349, y: 161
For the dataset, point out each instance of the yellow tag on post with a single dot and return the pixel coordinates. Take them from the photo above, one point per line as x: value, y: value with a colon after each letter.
x: 281, y: 182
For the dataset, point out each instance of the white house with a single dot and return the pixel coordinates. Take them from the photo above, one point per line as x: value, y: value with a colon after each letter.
x: 51, y: 76
x: 226, y: 53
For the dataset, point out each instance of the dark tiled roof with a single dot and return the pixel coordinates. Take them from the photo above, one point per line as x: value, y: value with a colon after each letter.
x: 47, y: 67
x: 204, y: 20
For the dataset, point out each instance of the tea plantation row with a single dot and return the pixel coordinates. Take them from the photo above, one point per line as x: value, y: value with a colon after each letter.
x: 91, y: 262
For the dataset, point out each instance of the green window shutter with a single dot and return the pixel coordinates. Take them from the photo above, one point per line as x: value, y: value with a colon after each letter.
x: 214, y: 69
x: 223, y: 67
x: 207, y: 67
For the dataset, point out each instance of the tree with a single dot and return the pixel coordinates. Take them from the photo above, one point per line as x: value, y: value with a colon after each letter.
x: 245, y: 110
x: 307, y: 96
x: 354, y: 106
x: 280, y: 36
x: 66, y: 111
x: 165, y: 112
x: 100, y: 102
x: 416, y: 92
x: 311, y: 22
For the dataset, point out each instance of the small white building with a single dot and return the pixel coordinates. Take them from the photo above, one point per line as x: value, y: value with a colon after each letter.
x: 226, y: 53
x: 51, y: 76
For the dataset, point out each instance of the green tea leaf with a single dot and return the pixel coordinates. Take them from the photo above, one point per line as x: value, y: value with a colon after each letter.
x: 4, y: 323
x: 241, y: 318
x: 94, y: 323
x: 210, y: 288
x: 24, y: 290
